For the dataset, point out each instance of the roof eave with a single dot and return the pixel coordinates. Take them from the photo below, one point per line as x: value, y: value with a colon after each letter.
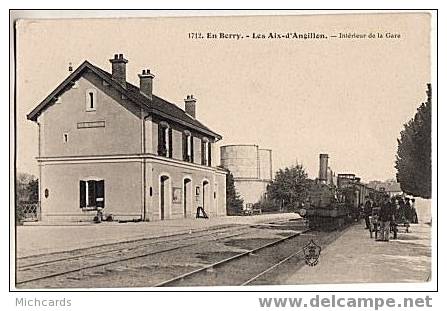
x: 34, y: 114
x: 202, y: 130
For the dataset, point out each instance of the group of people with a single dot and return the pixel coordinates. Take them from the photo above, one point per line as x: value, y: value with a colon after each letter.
x: 386, y: 214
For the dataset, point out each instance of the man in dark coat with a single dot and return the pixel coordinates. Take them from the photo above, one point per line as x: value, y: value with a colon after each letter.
x: 367, y: 211
x: 408, y: 210
x: 400, y: 215
x: 386, y: 215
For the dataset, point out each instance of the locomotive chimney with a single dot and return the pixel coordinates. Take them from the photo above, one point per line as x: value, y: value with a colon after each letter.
x: 324, y: 159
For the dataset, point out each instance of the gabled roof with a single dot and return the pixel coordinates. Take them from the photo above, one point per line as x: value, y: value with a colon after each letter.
x: 157, y: 105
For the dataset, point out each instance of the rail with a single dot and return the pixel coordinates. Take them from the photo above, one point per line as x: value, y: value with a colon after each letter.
x: 60, y: 273
x: 226, y: 260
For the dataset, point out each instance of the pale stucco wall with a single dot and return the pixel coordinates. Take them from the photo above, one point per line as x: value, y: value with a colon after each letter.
x: 127, y: 181
x: 122, y: 182
x: 121, y: 134
x: 177, y: 172
x: 124, y: 189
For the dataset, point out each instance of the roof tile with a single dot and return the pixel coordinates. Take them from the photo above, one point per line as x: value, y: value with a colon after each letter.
x: 157, y: 105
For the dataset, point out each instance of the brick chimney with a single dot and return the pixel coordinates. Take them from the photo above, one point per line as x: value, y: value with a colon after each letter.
x: 146, y: 78
x: 119, y: 68
x: 190, y: 105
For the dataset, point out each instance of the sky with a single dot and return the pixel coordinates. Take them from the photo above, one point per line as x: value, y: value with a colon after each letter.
x: 345, y: 97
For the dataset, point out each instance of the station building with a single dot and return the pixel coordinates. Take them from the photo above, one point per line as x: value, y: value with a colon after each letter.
x: 106, y: 143
x: 251, y: 167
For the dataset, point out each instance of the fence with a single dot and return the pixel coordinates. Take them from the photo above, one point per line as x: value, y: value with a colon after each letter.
x: 27, y: 211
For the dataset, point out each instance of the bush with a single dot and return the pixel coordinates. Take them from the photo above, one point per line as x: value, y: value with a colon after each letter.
x: 234, y: 202
x: 20, y: 214
x: 27, y: 188
x: 289, y: 188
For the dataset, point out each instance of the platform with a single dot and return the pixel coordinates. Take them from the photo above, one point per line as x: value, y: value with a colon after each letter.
x: 356, y: 258
x: 45, y: 238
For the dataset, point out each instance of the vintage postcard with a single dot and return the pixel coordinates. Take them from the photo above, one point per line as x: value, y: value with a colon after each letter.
x: 261, y: 149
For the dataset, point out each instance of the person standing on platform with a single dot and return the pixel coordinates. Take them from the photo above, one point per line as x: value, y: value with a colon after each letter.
x: 385, y: 217
x: 400, y: 214
x: 408, y: 214
x: 394, y: 215
x: 414, y: 212
x: 358, y: 214
x: 367, y: 212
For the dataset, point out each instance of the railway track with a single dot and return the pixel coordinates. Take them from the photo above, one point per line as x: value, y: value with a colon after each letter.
x: 181, y: 278
x: 35, y: 259
x: 218, y: 271
x: 76, y: 268
x: 24, y: 263
x: 264, y: 274
x: 39, y: 270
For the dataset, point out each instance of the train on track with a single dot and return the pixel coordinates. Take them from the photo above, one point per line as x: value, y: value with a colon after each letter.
x: 336, y: 200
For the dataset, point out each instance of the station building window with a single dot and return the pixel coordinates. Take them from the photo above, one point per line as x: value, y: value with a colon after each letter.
x: 90, y: 100
x: 206, y: 152
x: 91, y: 194
x: 164, y: 140
x: 188, y: 147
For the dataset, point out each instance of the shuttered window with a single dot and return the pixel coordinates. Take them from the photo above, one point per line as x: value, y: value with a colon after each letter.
x: 162, y: 150
x: 206, y: 152
x: 91, y: 193
x: 192, y: 148
x: 187, y: 146
x: 202, y: 152
x: 161, y: 140
x: 170, y: 142
x: 82, y: 195
x: 209, y: 154
x: 164, y: 140
x: 100, y: 193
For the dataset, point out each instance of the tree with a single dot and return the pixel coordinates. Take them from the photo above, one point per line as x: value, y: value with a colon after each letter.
x: 290, y: 187
x: 27, y: 191
x: 234, y: 201
x: 413, y: 159
x: 27, y: 188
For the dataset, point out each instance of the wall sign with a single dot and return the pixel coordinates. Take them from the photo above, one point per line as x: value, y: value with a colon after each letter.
x: 176, y: 195
x: 85, y: 125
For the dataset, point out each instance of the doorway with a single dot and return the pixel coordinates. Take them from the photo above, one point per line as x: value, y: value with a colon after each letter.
x: 205, y: 195
x: 164, y: 196
x: 186, y: 196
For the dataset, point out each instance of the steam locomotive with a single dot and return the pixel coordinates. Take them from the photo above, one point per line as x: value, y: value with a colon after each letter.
x: 335, y: 201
